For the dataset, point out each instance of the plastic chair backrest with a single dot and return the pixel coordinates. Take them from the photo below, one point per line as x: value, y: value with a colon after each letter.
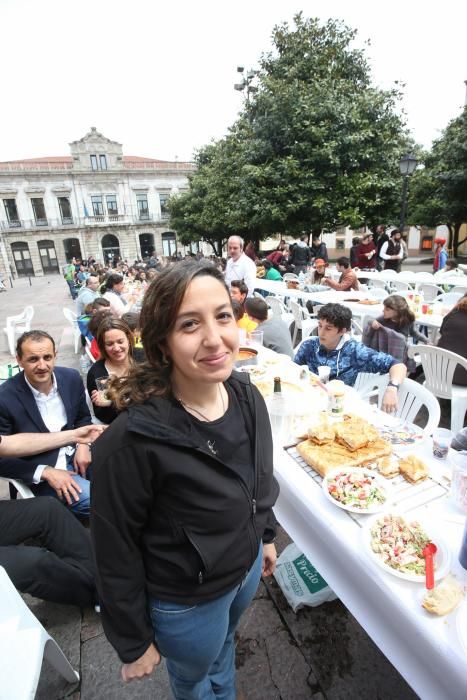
x: 430, y: 291
x: 458, y: 289
x: 449, y: 298
x: 297, y: 312
x: 23, y: 490
x: 411, y: 398
x: 376, y: 284
x: 400, y: 285
x: 368, y: 384
x: 376, y: 293
x: 438, y: 366
x: 424, y: 277
x: 276, y: 306
x: 385, y: 274
x: 70, y: 316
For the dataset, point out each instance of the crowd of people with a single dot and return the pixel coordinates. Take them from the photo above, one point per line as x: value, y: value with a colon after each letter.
x: 182, y: 467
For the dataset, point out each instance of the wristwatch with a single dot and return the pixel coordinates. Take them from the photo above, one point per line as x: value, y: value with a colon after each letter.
x: 394, y: 384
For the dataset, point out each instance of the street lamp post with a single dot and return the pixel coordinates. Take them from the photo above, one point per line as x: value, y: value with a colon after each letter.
x: 246, y: 82
x: 407, y: 165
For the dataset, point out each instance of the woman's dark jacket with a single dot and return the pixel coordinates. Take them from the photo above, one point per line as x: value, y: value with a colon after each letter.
x: 454, y: 338
x: 106, y: 414
x: 170, y: 520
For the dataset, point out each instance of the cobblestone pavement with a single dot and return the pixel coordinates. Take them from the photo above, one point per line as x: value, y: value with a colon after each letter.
x: 317, y: 653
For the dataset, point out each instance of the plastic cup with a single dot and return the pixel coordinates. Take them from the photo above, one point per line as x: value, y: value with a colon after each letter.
x: 323, y: 373
x: 441, y: 442
x: 255, y: 337
x: 424, y: 308
x: 102, y: 384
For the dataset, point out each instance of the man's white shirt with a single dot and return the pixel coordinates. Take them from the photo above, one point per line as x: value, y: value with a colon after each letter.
x: 242, y: 269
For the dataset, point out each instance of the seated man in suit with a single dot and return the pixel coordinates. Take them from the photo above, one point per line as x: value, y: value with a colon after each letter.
x: 59, y: 567
x: 44, y: 398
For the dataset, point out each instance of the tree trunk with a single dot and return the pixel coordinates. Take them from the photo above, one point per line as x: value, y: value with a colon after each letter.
x: 456, y: 243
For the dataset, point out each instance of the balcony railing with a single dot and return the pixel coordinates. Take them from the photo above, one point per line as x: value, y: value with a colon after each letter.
x: 68, y: 222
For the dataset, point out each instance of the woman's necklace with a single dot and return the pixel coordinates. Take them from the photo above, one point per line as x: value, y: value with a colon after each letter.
x: 195, y: 410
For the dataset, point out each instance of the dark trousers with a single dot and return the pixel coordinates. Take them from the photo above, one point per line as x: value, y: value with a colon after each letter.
x: 61, y: 569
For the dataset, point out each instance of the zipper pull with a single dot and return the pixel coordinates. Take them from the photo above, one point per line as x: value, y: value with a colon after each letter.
x: 254, y: 506
x: 200, y: 577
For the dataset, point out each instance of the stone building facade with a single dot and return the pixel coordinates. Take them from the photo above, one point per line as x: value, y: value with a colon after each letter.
x: 95, y: 202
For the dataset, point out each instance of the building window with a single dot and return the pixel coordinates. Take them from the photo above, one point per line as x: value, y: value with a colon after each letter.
x: 169, y: 244
x: 97, y: 206
x: 340, y: 243
x: 65, y: 210
x: 12, y: 213
x: 39, y: 211
x: 164, y: 202
x: 94, y: 164
x: 142, y: 204
x: 103, y: 162
x: 112, y: 209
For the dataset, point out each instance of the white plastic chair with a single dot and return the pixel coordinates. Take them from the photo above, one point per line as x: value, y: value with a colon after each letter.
x: 23, y: 644
x: 449, y: 298
x: 72, y: 319
x: 438, y: 366
x: 388, y: 274
x: 303, y: 321
x: 458, y: 289
x: 278, y: 309
x: 368, y: 384
x: 377, y: 293
x: 422, y: 277
x: 407, y: 276
x: 411, y: 398
x: 399, y: 286
x: 23, y: 490
x: 376, y: 284
x: 430, y: 291
x: 290, y: 276
x: 15, y: 325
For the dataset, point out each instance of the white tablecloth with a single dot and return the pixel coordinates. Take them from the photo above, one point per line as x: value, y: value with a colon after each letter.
x: 425, y: 649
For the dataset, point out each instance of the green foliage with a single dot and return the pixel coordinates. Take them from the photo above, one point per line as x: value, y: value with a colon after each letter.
x: 439, y: 191
x: 316, y: 147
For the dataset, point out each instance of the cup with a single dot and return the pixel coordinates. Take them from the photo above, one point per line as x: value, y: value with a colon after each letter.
x: 255, y: 337
x: 102, y: 384
x: 424, y: 308
x: 441, y: 442
x: 323, y: 373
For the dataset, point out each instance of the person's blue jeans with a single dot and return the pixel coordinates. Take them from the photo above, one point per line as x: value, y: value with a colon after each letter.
x: 198, y: 640
x: 81, y: 508
x: 72, y: 287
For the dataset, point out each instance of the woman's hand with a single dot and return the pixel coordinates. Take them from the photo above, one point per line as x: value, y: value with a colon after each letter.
x: 375, y: 325
x: 143, y: 666
x: 97, y: 399
x: 269, y: 559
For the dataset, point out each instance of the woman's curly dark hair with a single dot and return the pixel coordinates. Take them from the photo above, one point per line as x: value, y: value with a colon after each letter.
x: 161, y: 303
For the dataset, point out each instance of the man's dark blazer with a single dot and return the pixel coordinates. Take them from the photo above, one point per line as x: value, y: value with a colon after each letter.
x: 19, y: 414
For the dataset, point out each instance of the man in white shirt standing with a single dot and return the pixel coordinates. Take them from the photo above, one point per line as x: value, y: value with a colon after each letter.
x: 239, y: 266
x: 44, y: 398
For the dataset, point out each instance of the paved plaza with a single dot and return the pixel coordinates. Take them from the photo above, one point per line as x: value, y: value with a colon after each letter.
x: 317, y: 653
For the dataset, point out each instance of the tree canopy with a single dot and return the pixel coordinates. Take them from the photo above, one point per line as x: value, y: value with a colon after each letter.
x: 316, y: 146
x: 439, y: 191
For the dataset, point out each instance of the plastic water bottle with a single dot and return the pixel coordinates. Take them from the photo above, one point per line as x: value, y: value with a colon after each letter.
x: 84, y: 364
x: 278, y: 412
x: 463, y: 552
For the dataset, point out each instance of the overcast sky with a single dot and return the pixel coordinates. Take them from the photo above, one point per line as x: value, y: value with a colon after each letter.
x: 158, y: 76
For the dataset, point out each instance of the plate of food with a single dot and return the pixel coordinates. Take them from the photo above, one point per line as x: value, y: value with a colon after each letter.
x: 357, y: 490
x: 256, y: 373
x: 403, y: 435
x: 395, y: 543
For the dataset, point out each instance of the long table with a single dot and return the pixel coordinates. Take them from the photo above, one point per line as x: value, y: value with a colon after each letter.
x: 424, y: 648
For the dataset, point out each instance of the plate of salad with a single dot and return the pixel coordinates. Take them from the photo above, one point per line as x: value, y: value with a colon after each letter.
x: 395, y: 542
x: 355, y: 489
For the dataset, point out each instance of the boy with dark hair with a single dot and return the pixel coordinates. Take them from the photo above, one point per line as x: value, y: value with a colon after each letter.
x: 346, y: 357
x: 276, y: 335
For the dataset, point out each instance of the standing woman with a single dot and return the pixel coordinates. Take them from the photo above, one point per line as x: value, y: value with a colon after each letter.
x: 183, y: 491
x: 366, y: 253
x: 115, y: 342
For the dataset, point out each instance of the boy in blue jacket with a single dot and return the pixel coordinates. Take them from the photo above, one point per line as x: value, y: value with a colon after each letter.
x: 346, y: 357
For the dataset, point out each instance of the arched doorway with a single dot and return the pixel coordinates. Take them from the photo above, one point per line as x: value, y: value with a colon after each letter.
x: 72, y: 249
x: 110, y: 248
x: 146, y: 244
x: 48, y: 257
x: 22, y: 258
x: 169, y: 244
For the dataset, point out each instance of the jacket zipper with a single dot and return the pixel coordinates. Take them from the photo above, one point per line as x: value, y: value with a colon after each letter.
x: 195, y: 546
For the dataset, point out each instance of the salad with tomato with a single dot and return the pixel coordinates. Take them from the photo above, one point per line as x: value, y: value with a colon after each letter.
x: 355, y: 489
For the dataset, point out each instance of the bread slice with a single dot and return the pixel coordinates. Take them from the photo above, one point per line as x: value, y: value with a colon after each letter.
x: 413, y: 469
x: 388, y: 467
x: 444, y: 597
x: 322, y: 432
x: 355, y: 433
